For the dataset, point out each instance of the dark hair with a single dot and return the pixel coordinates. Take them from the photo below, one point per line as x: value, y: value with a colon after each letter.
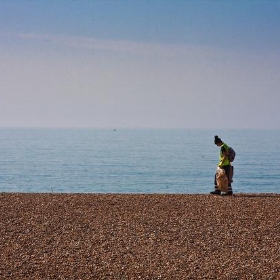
x: 217, y: 140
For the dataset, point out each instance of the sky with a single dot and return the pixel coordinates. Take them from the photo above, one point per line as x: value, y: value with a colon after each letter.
x: 140, y: 64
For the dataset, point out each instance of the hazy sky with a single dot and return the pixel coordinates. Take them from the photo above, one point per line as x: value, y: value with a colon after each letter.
x: 191, y: 64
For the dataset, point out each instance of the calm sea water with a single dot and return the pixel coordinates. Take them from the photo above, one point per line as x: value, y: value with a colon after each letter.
x: 134, y: 161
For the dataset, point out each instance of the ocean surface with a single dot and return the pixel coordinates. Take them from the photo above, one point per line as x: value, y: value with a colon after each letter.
x: 134, y: 160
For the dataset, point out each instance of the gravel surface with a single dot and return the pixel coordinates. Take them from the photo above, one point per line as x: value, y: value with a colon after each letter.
x: 149, y: 236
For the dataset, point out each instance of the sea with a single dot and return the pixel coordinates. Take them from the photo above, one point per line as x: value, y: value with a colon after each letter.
x: 171, y: 161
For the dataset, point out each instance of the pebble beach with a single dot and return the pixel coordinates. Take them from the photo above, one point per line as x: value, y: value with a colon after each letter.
x: 139, y: 236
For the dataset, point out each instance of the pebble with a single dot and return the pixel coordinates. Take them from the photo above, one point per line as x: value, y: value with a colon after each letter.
x: 139, y: 236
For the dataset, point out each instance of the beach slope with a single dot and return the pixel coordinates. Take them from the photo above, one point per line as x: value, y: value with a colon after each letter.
x: 141, y: 236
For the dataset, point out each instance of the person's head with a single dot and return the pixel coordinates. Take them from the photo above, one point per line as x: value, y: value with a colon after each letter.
x: 218, y: 141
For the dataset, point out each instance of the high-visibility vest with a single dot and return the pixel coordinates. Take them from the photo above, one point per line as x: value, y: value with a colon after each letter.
x: 226, y: 161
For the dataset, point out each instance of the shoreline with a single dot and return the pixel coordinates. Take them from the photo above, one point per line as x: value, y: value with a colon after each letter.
x: 139, y: 236
x: 235, y: 194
